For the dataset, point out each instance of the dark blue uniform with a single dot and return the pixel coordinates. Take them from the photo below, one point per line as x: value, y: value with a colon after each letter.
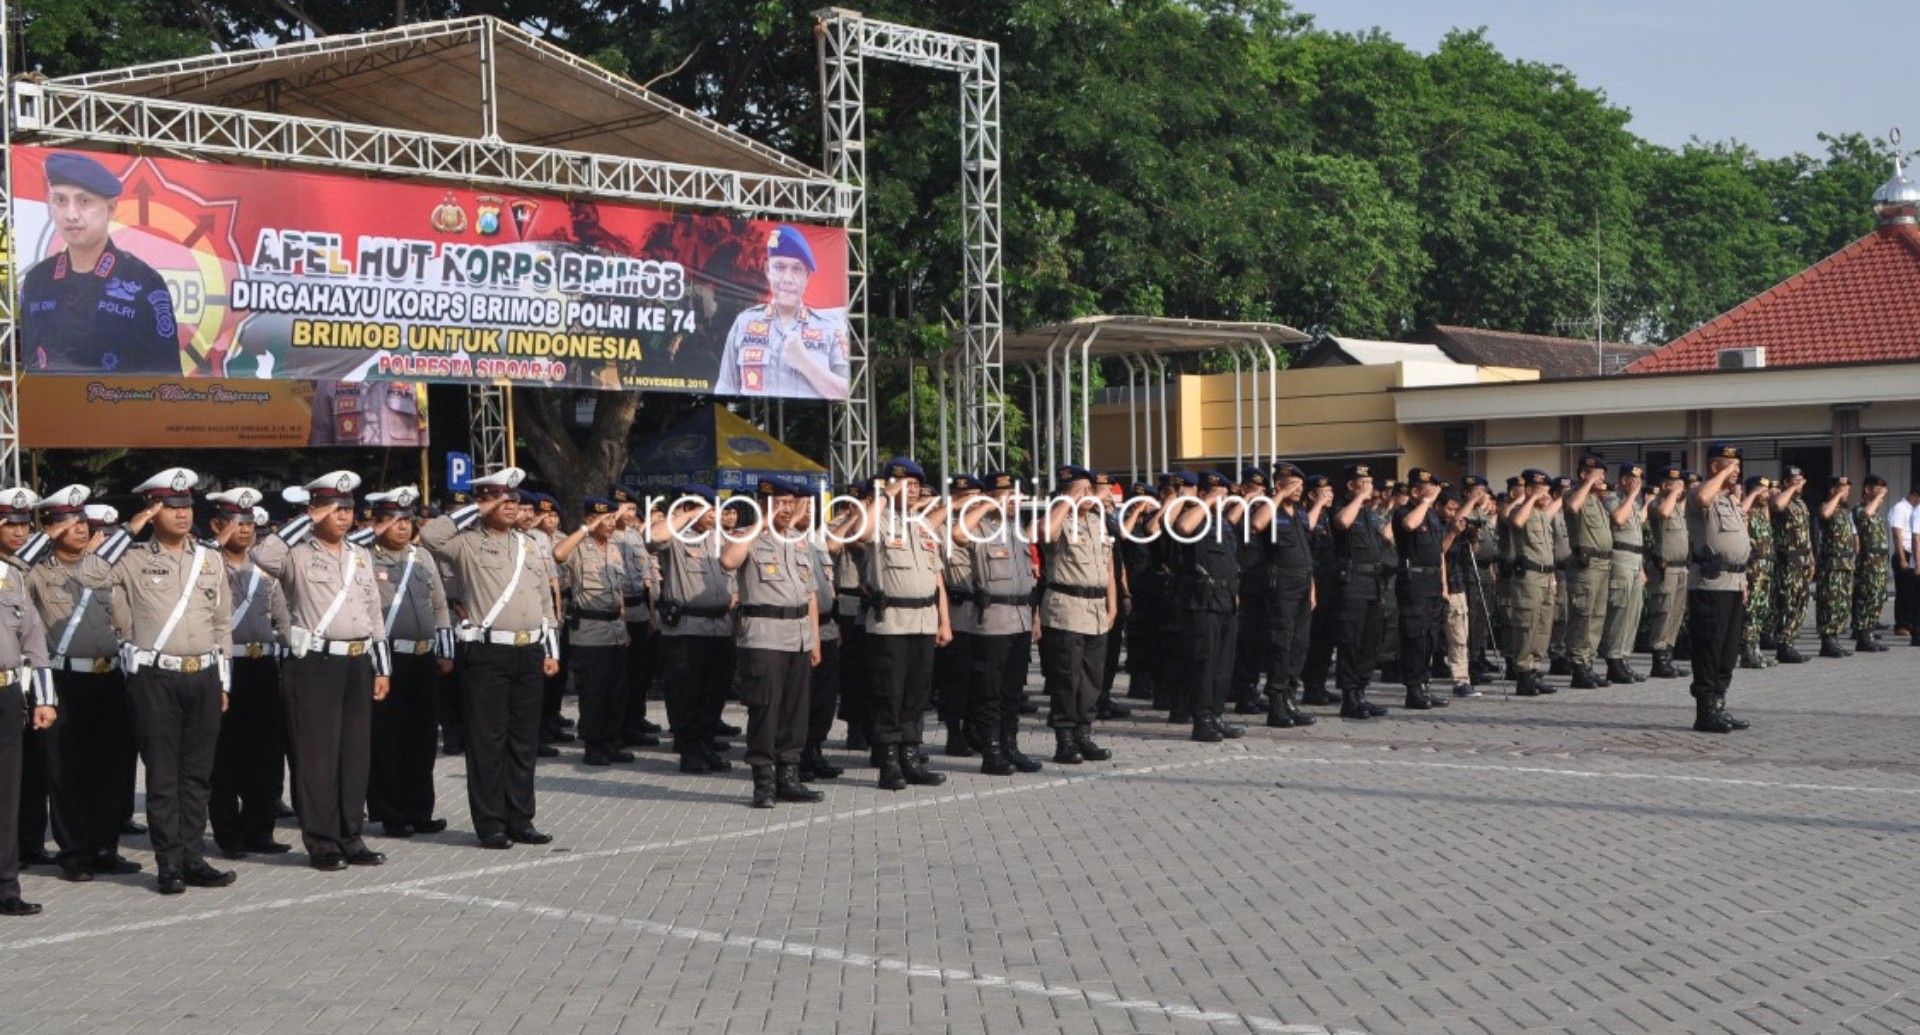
x: 116, y: 318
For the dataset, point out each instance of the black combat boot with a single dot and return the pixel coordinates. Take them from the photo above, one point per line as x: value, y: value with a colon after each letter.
x: 1528, y: 685
x: 1179, y: 715
x: 1866, y: 643
x: 1065, y: 751
x: 1512, y: 670
x: 1618, y: 671
x: 992, y: 761
x: 1708, y: 719
x: 957, y: 746
x: 1351, y: 706
x: 1318, y: 696
x: 1419, y: 700
x: 1372, y: 709
x: 763, y: 792
x: 1720, y: 708
x: 913, y: 765
x: 857, y: 739
x: 1278, y: 715
x: 1247, y: 701
x: 787, y: 785
x: 1204, y: 731
x: 1583, y: 678
x: 1830, y: 648
x: 1751, y: 658
x: 1107, y: 708
x: 1788, y: 654
x: 1664, y: 668
x: 1291, y: 697
x: 1010, y: 746
x: 1229, y: 730
x: 1083, y: 739
x: 891, y: 776
x: 1560, y: 665
x: 815, y: 765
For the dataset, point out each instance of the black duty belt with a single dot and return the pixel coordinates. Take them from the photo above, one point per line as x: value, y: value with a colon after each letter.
x: 911, y: 603
x: 597, y: 616
x: 1536, y: 568
x: 690, y: 611
x: 1364, y: 569
x: 1414, y: 569
x: 773, y: 610
x: 1628, y: 551
x: 1592, y: 554
x: 634, y: 601
x: 962, y: 595
x: 1013, y: 599
x: 1289, y: 569
x: 1083, y: 592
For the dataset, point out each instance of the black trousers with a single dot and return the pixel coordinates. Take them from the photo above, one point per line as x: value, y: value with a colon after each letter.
x: 13, y: 714
x: 999, y: 682
x: 1110, y: 669
x: 1252, y: 643
x: 502, y: 688
x: 1211, y: 647
x: 1906, y: 597
x: 1323, y: 632
x: 1715, y: 618
x: 600, y: 678
x: 94, y: 733
x: 699, y: 673
x: 1357, y: 634
x: 446, y: 706
x: 774, y: 685
x: 36, y: 787
x: 330, y: 725
x: 952, y: 665
x: 250, y: 762
x: 400, y: 782
x: 900, y: 674
x: 553, y: 689
x: 642, y: 650
x: 176, y: 723
x: 824, y: 693
x: 1423, y: 613
x: 856, y: 695
x: 1290, y: 628
x: 1071, y: 662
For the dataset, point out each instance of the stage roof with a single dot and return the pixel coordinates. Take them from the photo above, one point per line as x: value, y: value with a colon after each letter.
x: 1145, y: 335
x: 430, y: 77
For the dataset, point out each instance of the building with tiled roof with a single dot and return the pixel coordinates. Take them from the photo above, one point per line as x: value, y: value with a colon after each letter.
x: 1554, y: 358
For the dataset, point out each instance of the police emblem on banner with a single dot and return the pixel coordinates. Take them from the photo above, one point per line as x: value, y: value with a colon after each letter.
x: 486, y: 217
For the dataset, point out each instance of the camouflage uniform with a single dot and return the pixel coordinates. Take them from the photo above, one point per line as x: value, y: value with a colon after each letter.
x: 1840, y: 546
x: 1870, y: 575
x: 1792, y: 570
x: 1759, y: 587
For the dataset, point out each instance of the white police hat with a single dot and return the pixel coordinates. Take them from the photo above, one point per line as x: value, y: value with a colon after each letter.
x: 101, y: 514
x: 173, y: 486
x: 333, y: 487
x: 503, y: 480
x: 400, y: 499
x: 261, y: 517
x: 16, y: 505
x: 65, y: 501
x: 236, y: 504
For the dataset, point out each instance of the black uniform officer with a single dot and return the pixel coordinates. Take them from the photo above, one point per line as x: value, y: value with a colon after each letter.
x: 1716, y: 587
x: 849, y: 612
x: 823, y: 691
x: 1170, y: 647
x: 1253, y: 640
x: 1105, y: 707
x: 1209, y: 529
x: 1145, y: 588
x: 1419, y: 535
x: 27, y: 698
x: 1358, y: 535
x: 1289, y: 594
x: 1324, y: 632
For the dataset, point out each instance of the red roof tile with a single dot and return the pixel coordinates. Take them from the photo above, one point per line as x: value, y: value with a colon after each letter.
x: 1859, y: 305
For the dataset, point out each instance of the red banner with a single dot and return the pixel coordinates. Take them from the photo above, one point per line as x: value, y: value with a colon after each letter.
x: 156, y: 266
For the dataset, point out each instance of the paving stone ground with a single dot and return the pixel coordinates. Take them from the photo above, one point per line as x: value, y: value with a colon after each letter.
x: 1579, y: 863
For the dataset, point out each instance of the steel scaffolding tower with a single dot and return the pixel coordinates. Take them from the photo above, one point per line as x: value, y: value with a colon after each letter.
x: 847, y: 38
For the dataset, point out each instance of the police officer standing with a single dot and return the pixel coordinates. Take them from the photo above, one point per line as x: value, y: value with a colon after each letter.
x: 1078, y: 607
x: 696, y: 627
x: 823, y: 690
x: 1759, y: 617
x: 507, y: 648
x: 1626, y: 578
x: 172, y: 611
x: 1589, y: 570
x: 1839, y: 549
x: 1002, y: 589
x: 1420, y: 537
x: 849, y: 613
x: 953, y: 663
x: 1870, y: 573
x: 1531, y: 531
x: 1358, y: 535
x: 1716, y: 585
x: 1290, y: 595
x: 595, y: 575
x: 418, y: 626
x: 27, y: 699
x: 251, y: 760
x: 779, y: 642
x: 906, y: 620
x: 337, y: 666
x: 643, y: 640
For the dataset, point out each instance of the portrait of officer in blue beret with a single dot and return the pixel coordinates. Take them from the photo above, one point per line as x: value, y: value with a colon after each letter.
x: 91, y: 307
x: 782, y: 347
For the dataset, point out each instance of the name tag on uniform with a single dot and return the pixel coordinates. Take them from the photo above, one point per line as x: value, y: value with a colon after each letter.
x: 769, y: 571
x: 999, y: 553
x: 382, y: 576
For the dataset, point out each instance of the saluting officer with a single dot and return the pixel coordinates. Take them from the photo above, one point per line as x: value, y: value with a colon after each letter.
x: 1324, y: 633
x: 1626, y: 513
x: 1358, y: 537
x: 1253, y: 638
x: 251, y: 760
x: 1759, y: 617
x: 507, y: 648
x: 595, y: 575
x: 172, y: 611
x: 1209, y: 529
x: 337, y: 666
x: 906, y: 619
x: 953, y: 662
x: 1667, y: 553
x: 1793, y: 567
x: 27, y: 698
x: 1870, y: 573
x: 1532, y: 538
x: 823, y: 690
x: 1290, y: 595
x: 1839, y: 548
x: 696, y: 627
x: 1079, y: 605
x: 1002, y: 596
x: 418, y: 626
x: 95, y: 725
x: 779, y: 642
x: 1170, y: 650
x: 783, y: 347
x: 1420, y: 537
x: 1589, y: 569
x: 643, y: 640
x: 849, y: 613
x: 1716, y: 584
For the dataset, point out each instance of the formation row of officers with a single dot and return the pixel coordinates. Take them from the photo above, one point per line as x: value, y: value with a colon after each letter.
x: 339, y: 643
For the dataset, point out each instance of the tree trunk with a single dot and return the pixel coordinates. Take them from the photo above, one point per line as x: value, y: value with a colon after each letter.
x: 575, y: 464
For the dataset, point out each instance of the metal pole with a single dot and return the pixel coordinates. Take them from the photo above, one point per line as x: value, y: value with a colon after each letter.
x: 1273, y: 401
x: 1033, y: 418
x: 489, y: 88
x: 1133, y: 421
x: 1086, y: 401
x: 506, y: 403
x: 9, y: 337
x: 913, y: 442
x: 1166, y: 403
x: 1238, y: 424
x: 1254, y: 359
x: 945, y: 473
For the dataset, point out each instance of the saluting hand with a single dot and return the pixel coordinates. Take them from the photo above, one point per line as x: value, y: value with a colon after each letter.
x: 140, y: 520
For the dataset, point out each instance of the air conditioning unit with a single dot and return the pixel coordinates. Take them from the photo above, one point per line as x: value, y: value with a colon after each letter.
x: 1743, y: 359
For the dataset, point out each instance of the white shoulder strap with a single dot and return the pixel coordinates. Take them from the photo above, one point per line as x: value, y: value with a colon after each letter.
x: 400, y: 590
x: 246, y: 602
x: 340, y: 599
x: 519, y: 566
x: 186, y: 594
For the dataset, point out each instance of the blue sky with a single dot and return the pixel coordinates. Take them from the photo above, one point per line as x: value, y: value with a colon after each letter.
x: 1770, y: 73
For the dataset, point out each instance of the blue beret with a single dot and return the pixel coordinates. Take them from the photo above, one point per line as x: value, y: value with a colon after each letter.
x: 1534, y: 476
x: 1253, y: 476
x: 997, y: 480
x: 1723, y: 451
x: 790, y: 243
x: 1318, y: 481
x: 901, y: 467
x: 594, y: 506
x: 1355, y: 472
x: 68, y: 169
x: 622, y: 494
x: 1672, y: 472
x: 701, y: 491
x: 1072, y: 473
x: 1215, y: 480
x: 1420, y: 476
x: 963, y: 482
x: 1758, y: 481
x: 772, y: 486
x: 528, y: 496
x: 1139, y: 489
x: 1474, y: 481
x: 858, y: 490
x: 1632, y: 470
x: 1284, y: 469
x: 1187, y: 478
